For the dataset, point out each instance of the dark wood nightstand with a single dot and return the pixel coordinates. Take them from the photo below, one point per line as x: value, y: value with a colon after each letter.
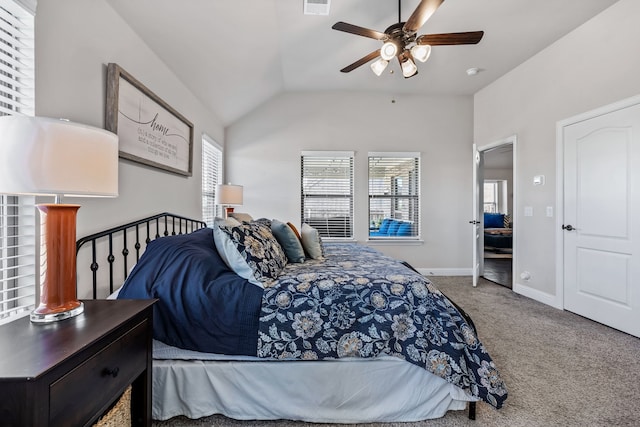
x: 69, y: 373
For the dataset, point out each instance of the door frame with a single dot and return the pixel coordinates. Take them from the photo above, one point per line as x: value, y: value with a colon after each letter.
x: 513, y: 141
x: 558, y: 301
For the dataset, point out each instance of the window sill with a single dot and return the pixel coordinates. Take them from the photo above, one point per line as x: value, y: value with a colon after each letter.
x: 392, y: 241
x: 339, y: 240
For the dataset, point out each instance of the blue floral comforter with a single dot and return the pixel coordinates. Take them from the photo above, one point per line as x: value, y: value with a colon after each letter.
x: 359, y: 303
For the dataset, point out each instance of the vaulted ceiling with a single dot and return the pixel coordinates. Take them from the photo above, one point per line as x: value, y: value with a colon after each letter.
x: 236, y: 54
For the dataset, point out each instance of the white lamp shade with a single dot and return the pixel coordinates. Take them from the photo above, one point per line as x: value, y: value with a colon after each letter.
x: 421, y: 52
x: 228, y: 194
x: 44, y: 156
x: 409, y: 68
x: 389, y: 50
x: 379, y: 66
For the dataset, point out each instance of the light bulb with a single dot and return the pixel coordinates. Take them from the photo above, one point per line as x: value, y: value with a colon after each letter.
x: 388, y: 51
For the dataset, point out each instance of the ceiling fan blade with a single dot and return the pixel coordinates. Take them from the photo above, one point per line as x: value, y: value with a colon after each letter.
x: 360, y: 31
x: 373, y: 55
x: 425, y: 9
x: 472, y: 37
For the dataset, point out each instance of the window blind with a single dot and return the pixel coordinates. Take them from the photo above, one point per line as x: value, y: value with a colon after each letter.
x: 394, y: 193
x: 17, y: 256
x: 327, y: 192
x: 211, y: 177
x: 16, y: 59
x: 18, y: 270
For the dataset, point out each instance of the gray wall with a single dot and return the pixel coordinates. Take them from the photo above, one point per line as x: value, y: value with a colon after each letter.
x: 595, y: 65
x: 263, y: 154
x: 75, y: 39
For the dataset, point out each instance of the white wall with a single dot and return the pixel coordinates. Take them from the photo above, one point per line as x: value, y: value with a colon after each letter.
x: 263, y: 154
x: 75, y: 40
x: 595, y: 65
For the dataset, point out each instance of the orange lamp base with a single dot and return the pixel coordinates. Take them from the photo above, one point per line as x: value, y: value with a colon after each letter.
x: 57, y: 264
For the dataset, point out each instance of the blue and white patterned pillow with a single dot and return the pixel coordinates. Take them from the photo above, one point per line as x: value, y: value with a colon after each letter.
x: 251, y: 251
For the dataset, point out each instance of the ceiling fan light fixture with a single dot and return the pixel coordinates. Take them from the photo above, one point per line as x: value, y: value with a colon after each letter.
x: 409, y: 68
x: 379, y: 66
x: 421, y: 52
x: 389, y: 50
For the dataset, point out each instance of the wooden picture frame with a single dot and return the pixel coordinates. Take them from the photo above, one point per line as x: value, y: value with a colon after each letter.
x: 150, y: 131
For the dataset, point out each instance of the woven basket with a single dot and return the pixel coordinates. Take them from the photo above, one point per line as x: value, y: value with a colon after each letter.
x: 120, y: 414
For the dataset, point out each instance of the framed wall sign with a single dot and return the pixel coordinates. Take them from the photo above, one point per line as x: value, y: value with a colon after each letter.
x: 149, y: 130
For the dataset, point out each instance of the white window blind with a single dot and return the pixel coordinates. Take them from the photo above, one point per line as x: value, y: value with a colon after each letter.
x: 327, y: 192
x: 17, y: 214
x: 16, y: 59
x: 17, y: 257
x: 394, y: 194
x: 211, y: 177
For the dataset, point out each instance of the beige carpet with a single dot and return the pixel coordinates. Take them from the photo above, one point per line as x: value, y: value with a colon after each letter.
x: 560, y: 369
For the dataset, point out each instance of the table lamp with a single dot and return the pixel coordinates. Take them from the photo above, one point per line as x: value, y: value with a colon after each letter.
x: 50, y: 157
x: 228, y: 194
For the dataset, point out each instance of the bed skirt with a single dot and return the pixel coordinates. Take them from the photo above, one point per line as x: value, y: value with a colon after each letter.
x: 343, y: 391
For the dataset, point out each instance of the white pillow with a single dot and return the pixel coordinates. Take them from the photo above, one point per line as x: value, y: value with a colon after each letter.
x: 311, y: 242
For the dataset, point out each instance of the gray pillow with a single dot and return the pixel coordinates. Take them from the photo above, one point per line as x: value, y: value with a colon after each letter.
x: 240, y: 216
x: 288, y: 240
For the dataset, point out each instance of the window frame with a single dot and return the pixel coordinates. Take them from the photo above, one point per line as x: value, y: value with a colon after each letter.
x: 328, y: 223
x: 209, y: 189
x: 412, y: 206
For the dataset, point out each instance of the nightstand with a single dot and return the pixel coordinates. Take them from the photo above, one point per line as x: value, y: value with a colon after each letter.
x: 69, y: 373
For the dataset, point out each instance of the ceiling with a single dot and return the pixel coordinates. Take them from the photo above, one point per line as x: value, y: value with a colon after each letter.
x: 236, y: 54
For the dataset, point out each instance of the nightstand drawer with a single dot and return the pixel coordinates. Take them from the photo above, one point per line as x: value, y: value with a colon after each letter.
x: 89, y: 388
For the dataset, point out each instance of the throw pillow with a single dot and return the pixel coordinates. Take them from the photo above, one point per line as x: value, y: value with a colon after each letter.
x: 251, y: 251
x: 288, y: 240
x: 241, y: 217
x: 311, y: 242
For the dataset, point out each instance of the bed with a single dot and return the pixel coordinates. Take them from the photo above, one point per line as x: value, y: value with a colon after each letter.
x: 351, y: 336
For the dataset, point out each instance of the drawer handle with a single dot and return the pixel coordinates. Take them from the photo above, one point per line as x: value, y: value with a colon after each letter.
x: 111, y: 372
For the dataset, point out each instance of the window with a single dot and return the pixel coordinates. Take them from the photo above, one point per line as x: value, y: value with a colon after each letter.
x: 17, y: 214
x: 327, y: 192
x: 490, y: 191
x: 394, y: 195
x: 495, y: 196
x: 211, y: 177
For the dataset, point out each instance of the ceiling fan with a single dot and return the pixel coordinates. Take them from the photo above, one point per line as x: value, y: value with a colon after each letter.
x: 401, y: 40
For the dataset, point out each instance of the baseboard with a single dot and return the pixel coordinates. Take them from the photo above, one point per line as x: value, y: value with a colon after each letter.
x: 539, y: 296
x: 445, y: 271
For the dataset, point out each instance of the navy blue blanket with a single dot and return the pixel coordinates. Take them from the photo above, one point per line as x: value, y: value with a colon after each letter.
x: 203, y: 305
x: 358, y: 302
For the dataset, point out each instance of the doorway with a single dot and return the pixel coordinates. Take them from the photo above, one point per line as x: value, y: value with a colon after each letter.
x: 496, y: 211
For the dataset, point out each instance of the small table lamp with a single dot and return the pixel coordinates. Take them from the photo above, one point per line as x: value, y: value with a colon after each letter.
x: 228, y: 194
x: 42, y: 156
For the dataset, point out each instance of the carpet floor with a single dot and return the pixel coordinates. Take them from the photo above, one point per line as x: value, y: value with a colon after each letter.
x: 560, y: 369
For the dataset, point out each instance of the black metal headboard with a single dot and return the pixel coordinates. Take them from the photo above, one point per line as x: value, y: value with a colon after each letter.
x: 114, y: 246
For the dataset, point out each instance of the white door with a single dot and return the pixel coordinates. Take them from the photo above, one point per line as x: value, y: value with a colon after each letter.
x: 478, y: 243
x: 602, y: 217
